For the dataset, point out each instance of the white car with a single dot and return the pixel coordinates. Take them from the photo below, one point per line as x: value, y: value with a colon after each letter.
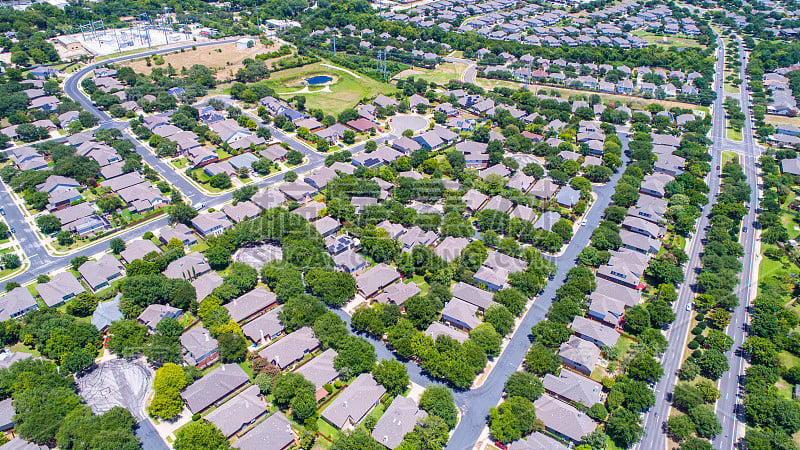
x: 583, y: 224
x: 688, y: 306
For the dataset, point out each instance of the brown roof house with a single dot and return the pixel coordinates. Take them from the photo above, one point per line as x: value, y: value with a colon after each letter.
x: 579, y: 355
x: 398, y: 293
x: 188, y: 267
x: 273, y: 433
x: 354, y: 403
x: 470, y: 294
x: 251, y: 304
x: 437, y: 329
x: 16, y: 303
x: 62, y: 287
x: 180, y: 232
x: 562, y: 419
x: 99, y: 274
x: 291, y: 349
x: 265, y: 327
x: 242, y: 211
x: 450, y: 248
x: 199, y: 348
x: 400, y: 418
x: 626, y: 267
x: 137, y: 249
x: 239, y: 412
x: 375, y: 279
x: 594, y: 332
x: 571, y: 387
x: 214, y: 387
x: 204, y: 285
x: 153, y: 314
x: 460, y: 314
x: 320, y: 371
x: 544, y: 189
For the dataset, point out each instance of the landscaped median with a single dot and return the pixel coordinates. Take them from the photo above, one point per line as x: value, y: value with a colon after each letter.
x: 693, y: 417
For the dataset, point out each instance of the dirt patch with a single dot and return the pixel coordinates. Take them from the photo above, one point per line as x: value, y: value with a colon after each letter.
x: 225, y: 59
x: 407, y: 73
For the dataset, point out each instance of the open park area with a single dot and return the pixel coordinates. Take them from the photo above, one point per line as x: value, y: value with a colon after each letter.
x: 343, y: 91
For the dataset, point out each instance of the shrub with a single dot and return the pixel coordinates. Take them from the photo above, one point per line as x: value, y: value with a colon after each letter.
x: 697, y: 330
x: 697, y: 353
x: 693, y: 345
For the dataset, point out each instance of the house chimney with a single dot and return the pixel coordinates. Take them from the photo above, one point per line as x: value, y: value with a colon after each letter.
x: 208, y: 338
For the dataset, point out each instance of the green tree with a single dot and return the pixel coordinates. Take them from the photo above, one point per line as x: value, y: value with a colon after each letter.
x: 392, y: 375
x: 542, y: 360
x: 485, y: 336
x: 83, y: 305
x: 525, y: 385
x: 40, y: 409
x: 232, y: 347
x: 126, y: 337
x: 200, y: 435
x: 500, y: 317
x: 180, y: 212
x: 680, y: 427
x: 438, y: 401
x: 356, y: 356
x: 48, y: 224
x: 117, y: 245
x: 706, y: 423
x: 624, y: 427
x: 304, y: 405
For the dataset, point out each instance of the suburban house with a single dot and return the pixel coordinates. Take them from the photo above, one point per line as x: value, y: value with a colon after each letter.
x: 351, y: 262
x: 199, y: 348
x: 450, y: 248
x: 16, y: 303
x: 399, y: 418
x: 537, y: 441
x: 571, y: 387
x: 562, y: 419
x: 239, y: 412
x: 605, y: 309
x: 188, y: 267
x: 205, y: 284
x: 642, y: 226
x: 241, y: 211
x: 251, y: 304
x: 212, y: 223
x: 214, y: 387
x: 594, y: 332
x: 105, y: 314
x: 153, y: 314
x: 274, y: 432
x: 398, y: 293
x: 291, y: 349
x: 544, y: 189
x: 626, y: 267
x: 375, y: 279
x: 437, y: 329
x: 639, y: 242
x: 265, y: 327
x: 180, y: 232
x: 320, y: 371
x: 461, y: 315
x: 354, y: 403
x: 470, y: 294
x: 62, y: 287
x: 99, y: 274
x: 579, y: 355
x: 137, y: 249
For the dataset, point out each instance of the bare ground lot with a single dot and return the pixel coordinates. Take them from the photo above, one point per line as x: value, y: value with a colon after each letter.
x: 117, y: 382
x: 226, y: 59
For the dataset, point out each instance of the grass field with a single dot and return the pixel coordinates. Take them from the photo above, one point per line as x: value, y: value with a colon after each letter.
x: 728, y: 157
x: 441, y: 75
x: 668, y: 40
x: 566, y: 93
x: 734, y: 135
x: 782, y: 120
x: 346, y: 90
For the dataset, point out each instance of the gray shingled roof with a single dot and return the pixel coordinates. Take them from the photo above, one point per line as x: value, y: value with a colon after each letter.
x: 274, y: 432
x: 398, y: 419
x: 355, y: 401
x: 216, y: 385
x: 241, y: 410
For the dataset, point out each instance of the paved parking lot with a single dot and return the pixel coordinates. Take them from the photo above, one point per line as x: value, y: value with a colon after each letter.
x: 117, y: 382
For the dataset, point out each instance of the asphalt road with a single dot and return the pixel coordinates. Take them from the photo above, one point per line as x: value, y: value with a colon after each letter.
x: 729, y: 407
x: 474, y: 404
x: 654, y: 420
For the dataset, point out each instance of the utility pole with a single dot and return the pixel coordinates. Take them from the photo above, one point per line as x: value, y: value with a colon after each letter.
x: 258, y: 21
x: 334, y: 44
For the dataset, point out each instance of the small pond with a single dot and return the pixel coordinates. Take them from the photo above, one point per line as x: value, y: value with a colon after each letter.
x: 319, y: 79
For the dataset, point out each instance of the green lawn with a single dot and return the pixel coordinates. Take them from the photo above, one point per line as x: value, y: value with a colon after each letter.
x: 200, y: 247
x: 768, y: 266
x: 180, y: 163
x: 20, y: 347
x: 729, y: 157
x: 734, y: 135
x: 346, y: 90
x: 327, y: 429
